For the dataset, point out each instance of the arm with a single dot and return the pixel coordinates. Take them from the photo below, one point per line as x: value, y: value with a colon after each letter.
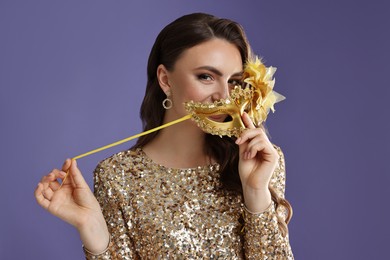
x: 263, y: 238
x: 261, y: 166
x: 112, y: 202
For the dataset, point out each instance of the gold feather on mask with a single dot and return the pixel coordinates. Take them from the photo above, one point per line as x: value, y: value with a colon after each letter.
x: 260, y: 78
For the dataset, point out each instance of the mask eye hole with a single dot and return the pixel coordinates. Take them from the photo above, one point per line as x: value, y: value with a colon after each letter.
x: 228, y: 119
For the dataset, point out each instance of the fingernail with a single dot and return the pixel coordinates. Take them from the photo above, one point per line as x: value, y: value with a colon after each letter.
x: 62, y: 173
x: 238, y: 140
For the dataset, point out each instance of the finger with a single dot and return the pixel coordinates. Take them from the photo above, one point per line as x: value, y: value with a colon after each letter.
x: 56, y: 174
x: 42, y: 201
x: 251, y: 148
x: 76, y: 175
x: 250, y: 134
x: 66, y: 165
x: 65, y: 168
x: 247, y: 121
x: 268, y: 152
x: 48, y: 193
x: 67, y: 178
x: 254, y: 146
x: 51, y: 180
x: 47, y: 178
x: 55, y: 185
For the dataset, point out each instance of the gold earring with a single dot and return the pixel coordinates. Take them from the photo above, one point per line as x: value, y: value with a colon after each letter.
x: 167, y: 103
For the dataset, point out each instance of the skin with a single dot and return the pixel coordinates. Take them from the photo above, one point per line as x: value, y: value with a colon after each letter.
x: 206, y: 72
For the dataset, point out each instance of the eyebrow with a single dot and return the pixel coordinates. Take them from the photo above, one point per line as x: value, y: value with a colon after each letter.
x: 215, y: 71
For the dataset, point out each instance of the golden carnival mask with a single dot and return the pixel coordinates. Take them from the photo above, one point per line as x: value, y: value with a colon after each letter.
x: 255, y: 97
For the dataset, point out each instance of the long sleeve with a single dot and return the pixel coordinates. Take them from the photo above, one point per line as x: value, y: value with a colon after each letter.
x: 263, y: 238
x: 112, y: 203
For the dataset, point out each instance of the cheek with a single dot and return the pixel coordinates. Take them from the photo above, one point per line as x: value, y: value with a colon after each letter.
x: 197, y: 93
x: 190, y: 89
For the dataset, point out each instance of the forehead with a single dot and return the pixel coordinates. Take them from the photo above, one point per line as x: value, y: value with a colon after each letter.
x: 217, y: 53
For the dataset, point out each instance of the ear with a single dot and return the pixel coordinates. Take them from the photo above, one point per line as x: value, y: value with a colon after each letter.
x: 163, y: 79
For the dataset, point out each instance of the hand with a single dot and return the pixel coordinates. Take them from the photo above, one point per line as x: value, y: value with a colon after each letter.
x: 74, y: 203
x: 258, y: 160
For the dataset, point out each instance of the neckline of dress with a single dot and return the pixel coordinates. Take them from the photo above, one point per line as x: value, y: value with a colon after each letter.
x: 209, y: 167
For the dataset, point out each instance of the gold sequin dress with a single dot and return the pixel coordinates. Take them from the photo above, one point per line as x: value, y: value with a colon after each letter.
x: 155, y: 212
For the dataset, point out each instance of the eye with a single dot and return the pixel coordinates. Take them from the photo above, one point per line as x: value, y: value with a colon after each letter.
x: 205, y: 77
x: 235, y: 82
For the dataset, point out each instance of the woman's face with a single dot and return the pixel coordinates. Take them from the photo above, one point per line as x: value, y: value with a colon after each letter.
x: 204, y: 73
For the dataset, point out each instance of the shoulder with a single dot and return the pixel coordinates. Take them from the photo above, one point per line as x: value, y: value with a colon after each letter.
x: 118, y: 159
x: 117, y: 173
x: 116, y: 165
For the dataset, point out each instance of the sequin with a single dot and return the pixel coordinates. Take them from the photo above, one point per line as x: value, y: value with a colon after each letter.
x: 155, y: 212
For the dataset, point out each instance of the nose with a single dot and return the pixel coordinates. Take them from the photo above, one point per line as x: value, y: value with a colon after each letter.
x: 222, y: 91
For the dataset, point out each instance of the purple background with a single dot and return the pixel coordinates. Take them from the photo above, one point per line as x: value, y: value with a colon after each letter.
x: 72, y: 77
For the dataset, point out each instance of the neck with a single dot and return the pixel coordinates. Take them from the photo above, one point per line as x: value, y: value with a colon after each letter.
x: 179, y: 146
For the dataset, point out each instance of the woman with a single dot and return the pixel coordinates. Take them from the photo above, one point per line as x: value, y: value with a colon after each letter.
x: 182, y: 193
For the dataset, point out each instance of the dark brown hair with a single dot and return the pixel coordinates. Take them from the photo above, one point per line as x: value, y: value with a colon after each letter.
x: 178, y: 36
